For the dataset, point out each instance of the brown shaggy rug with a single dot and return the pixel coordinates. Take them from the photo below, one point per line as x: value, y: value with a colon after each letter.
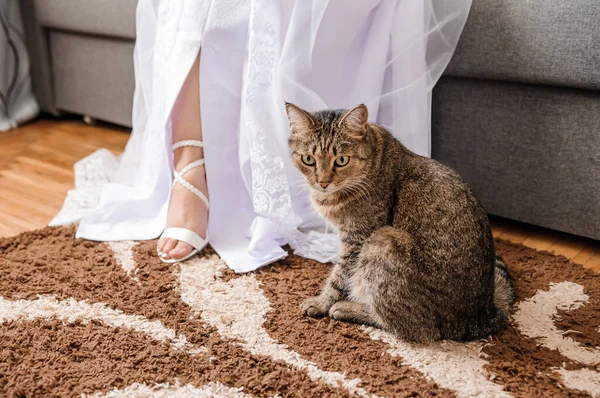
x: 87, y: 318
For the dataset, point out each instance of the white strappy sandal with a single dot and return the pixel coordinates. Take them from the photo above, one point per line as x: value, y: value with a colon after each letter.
x: 184, y: 234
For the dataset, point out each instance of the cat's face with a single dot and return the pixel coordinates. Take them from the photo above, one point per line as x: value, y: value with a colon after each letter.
x: 329, y: 147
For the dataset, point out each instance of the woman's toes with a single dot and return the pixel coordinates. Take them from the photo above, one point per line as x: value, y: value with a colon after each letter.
x: 181, y: 250
x: 160, y: 246
x: 169, y: 245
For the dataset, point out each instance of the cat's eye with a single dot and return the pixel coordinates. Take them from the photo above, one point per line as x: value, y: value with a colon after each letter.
x: 341, y: 161
x: 308, y: 160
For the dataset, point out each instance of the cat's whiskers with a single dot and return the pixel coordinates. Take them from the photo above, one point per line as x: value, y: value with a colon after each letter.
x: 348, y: 190
x: 356, y: 188
x: 370, y: 189
x: 361, y: 186
x: 350, y: 187
x: 299, y: 186
x: 354, y: 192
x: 368, y: 185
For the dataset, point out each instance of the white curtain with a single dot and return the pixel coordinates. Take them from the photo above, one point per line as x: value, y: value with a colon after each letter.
x: 256, y: 55
x: 17, y: 104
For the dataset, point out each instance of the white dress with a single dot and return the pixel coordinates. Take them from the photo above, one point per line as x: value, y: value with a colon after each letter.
x: 256, y: 55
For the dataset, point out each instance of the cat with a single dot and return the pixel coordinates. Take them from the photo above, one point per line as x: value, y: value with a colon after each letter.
x: 417, y: 256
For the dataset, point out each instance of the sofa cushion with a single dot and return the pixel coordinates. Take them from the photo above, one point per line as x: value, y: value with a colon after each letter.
x: 554, y: 42
x: 93, y: 76
x: 530, y: 153
x: 101, y: 17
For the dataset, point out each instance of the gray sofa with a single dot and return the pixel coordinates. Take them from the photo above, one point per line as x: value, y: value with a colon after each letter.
x: 81, y: 53
x: 517, y: 112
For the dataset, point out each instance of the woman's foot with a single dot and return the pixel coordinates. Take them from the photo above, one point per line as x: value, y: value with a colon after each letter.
x: 186, y: 210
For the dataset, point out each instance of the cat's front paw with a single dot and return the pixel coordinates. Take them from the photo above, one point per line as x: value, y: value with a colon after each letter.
x: 313, y: 307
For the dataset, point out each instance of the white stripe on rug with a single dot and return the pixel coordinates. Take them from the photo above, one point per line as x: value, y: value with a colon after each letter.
x: 123, y: 252
x: 455, y: 366
x: 535, y: 319
x: 583, y: 380
x: 70, y: 311
x: 237, y: 309
x: 165, y: 390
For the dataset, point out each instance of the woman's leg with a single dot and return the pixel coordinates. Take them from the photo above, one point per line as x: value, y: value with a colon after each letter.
x: 185, y: 209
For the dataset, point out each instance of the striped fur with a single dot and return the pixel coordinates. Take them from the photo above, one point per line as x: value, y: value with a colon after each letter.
x: 418, y: 258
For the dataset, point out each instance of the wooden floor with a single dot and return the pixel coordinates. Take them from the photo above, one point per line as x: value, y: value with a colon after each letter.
x: 36, y: 171
x: 36, y: 168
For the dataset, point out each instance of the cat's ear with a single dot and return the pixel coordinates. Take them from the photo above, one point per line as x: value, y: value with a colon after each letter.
x: 356, y: 119
x: 300, y: 120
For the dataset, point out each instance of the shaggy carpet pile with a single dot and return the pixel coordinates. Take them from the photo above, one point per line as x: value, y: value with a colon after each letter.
x: 80, y: 318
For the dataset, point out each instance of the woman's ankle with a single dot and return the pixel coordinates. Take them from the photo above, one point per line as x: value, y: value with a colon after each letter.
x: 186, y: 155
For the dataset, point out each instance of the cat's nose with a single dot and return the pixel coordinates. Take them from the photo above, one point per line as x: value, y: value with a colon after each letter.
x: 324, y: 184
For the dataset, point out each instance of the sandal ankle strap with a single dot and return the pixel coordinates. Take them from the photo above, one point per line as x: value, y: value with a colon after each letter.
x: 193, y: 165
x: 181, y: 144
x: 179, y: 179
x: 178, y: 175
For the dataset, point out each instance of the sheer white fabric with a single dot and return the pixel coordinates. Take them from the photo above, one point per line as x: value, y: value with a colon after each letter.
x: 256, y: 55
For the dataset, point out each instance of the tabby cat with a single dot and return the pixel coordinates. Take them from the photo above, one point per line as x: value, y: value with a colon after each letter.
x: 417, y: 256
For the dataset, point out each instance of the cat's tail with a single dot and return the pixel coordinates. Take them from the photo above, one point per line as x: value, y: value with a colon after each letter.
x: 504, y: 297
x: 504, y: 294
